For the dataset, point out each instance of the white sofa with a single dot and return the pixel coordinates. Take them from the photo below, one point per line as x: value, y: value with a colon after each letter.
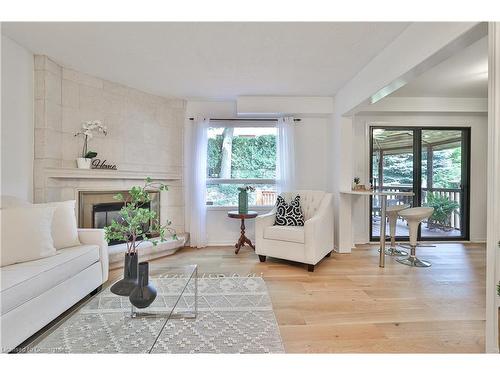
x: 36, y: 292
x: 307, y: 244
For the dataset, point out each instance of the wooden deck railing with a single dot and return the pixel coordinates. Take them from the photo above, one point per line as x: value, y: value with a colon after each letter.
x: 265, y: 197
x: 451, y: 194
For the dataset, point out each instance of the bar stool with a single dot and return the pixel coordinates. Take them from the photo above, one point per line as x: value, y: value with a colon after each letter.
x: 392, y: 213
x: 414, y: 216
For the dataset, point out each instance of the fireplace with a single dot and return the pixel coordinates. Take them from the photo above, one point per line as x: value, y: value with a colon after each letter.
x: 97, y: 209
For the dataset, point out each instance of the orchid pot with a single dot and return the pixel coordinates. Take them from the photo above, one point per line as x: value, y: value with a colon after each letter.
x: 84, y: 163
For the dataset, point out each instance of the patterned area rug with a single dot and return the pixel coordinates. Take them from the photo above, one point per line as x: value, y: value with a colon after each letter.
x: 235, y: 315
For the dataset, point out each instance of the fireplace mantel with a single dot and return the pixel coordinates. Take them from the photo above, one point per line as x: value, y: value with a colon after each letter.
x: 75, y: 173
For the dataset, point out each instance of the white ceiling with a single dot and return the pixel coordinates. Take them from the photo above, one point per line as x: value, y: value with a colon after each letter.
x: 464, y: 75
x: 213, y: 60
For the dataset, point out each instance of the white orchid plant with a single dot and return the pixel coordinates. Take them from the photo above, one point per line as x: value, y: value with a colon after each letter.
x: 88, y: 130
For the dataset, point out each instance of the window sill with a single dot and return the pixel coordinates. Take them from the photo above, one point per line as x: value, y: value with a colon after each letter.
x: 232, y: 208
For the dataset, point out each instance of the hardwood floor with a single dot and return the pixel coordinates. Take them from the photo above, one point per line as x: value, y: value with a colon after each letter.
x: 349, y: 304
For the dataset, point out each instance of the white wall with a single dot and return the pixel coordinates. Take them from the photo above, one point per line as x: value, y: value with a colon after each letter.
x: 17, y: 120
x: 311, y: 137
x: 479, y: 133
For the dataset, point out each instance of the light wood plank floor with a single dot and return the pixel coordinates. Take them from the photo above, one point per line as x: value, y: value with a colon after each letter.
x: 351, y: 305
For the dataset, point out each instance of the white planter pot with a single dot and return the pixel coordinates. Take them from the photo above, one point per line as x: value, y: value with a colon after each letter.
x: 84, y: 163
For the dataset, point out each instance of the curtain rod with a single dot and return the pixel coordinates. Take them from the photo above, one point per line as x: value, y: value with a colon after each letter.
x: 246, y: 119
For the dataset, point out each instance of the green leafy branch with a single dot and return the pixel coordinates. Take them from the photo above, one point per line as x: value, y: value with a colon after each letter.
x: 136, y: 223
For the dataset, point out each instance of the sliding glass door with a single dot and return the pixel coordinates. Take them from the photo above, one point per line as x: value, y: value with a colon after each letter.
x: 393, y: 165
x: 444, y: 182
x: 431, y: 162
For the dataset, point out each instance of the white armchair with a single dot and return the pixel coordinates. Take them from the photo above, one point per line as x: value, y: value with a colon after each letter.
x: 308, y: 244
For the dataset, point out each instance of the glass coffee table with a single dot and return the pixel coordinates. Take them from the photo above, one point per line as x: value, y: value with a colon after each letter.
x: 107, y: 323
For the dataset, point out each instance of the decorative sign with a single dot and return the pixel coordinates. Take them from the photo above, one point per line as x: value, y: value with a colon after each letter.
x: 98, y: 164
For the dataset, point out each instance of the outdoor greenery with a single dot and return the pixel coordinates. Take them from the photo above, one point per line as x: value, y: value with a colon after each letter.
x: 136, y: 223
x: 443, y: 209
x: 248, y: 156
x: 398, y: 168
x: 252, y: 157
x: 446, y: 169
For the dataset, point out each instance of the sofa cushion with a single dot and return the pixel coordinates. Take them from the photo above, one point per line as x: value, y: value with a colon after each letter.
x: 24, y: 281
x: 284, y: 233
x: 26, y: 234
x: 64, y: 228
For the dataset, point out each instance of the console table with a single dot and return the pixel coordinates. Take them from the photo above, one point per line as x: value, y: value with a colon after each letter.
x: 243, y: 239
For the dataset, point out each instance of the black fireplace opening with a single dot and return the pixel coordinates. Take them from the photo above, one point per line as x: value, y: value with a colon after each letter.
x: 103, y: 215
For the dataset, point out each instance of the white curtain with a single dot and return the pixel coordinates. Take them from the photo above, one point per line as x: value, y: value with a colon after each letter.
x: 285, y: 164
x: 197, y: 184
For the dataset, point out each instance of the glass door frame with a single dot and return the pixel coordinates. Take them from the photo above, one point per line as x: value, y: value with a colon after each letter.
x: 417, y: 178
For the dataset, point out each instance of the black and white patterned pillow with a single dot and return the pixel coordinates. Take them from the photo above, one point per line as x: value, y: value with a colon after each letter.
x: 289, y: 214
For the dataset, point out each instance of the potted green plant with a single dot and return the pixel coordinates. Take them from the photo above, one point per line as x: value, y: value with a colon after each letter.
x: 443, y: 209
x: 87, y: 131
x: 243, y: 198
x: 135, y: 225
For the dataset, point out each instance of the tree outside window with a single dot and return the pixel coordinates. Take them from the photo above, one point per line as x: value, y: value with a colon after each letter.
x: 239, y: 156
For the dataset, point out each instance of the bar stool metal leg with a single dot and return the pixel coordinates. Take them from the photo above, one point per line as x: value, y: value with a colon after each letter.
x: 412, y: 260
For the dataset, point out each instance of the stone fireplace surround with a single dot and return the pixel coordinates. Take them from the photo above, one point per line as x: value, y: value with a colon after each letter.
x: 74, y: 181
x: 145, y: 139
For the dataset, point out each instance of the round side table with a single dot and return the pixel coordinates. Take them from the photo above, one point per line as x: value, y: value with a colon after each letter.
x: 243, y: 239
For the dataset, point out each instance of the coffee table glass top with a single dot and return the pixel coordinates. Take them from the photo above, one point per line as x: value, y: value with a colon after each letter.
x: 107, y: 323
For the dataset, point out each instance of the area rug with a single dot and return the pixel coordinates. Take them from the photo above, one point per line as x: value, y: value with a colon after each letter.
x: 235, y: 315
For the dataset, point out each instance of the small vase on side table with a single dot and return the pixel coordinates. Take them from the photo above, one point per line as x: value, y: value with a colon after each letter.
x: 243, y: 202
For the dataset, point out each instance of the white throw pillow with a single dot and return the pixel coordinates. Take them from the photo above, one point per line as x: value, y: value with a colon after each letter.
x: 64, y: 228
x: 26, y: 234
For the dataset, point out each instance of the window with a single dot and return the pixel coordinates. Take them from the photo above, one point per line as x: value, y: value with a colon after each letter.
x: 240, y: 156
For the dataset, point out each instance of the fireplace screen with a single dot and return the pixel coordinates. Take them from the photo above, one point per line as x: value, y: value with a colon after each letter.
x: 105, y: 213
